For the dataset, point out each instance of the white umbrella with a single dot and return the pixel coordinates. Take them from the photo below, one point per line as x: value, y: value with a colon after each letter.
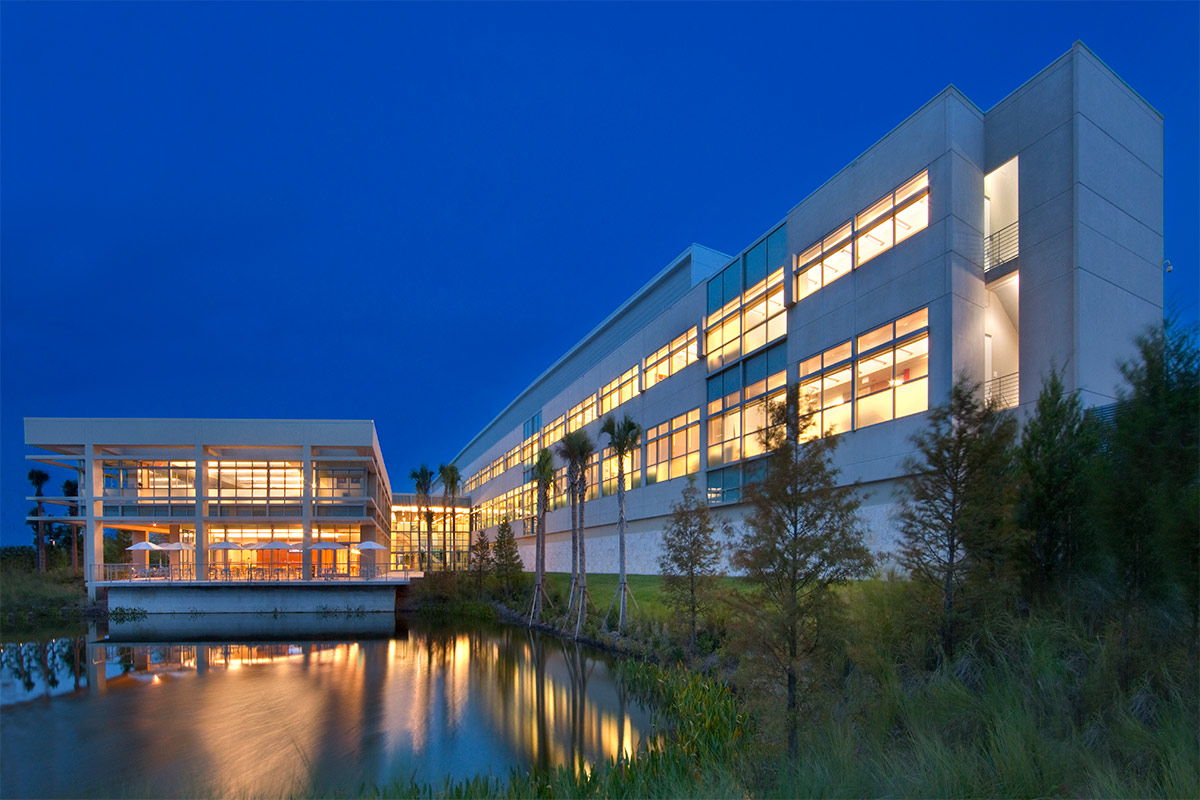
x: 276, y: 545
x: 226, y: 546
x: 370, y: 546
x: 175, y: 546
x: 144, y: 546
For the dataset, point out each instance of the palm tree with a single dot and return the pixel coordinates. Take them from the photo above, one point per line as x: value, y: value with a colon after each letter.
x: 70, y: 488
x: 543, y: 474
x: 422, y: 478
x: 586, y: 447
x: 451, y: 481
x: 623, y: 437
x: 38, y: 478
x: 568, y: 450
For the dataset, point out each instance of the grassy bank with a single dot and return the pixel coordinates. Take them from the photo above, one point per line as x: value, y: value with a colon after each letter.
x: 1051, y: 702
x: 30, y: 600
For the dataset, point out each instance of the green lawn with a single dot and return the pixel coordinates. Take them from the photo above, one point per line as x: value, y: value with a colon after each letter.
x: 646, y: 590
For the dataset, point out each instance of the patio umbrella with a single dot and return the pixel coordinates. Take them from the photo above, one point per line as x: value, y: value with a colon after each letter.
x: 370, y: 546
x: 175, y: 546
x: 145, y: 546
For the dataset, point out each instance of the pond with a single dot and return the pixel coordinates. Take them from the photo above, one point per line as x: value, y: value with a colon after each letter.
x: 252, y: 706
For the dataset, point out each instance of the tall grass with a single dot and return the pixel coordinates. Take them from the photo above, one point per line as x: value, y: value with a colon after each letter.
x: 33, y: 599
x: 1034, y: 707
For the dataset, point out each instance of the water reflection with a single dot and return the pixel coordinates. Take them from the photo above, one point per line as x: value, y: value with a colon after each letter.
x: 257, y: 717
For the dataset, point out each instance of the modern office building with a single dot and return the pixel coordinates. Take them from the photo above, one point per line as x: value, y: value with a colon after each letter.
x: 996, y: 244
x: 229, y: 499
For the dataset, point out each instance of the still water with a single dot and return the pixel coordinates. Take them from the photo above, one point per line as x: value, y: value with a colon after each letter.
x: 169, y: 708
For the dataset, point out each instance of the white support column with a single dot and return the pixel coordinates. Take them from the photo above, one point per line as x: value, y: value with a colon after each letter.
x: 91, y: 505
x: 306, y: 514
x: 201, y: 513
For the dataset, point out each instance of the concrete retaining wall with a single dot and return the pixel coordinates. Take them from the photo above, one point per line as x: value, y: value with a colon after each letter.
x: 178, y: 599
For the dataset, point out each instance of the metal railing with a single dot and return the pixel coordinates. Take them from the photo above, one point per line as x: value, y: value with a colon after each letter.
x: 1005, y: 391
x: 241, y: 573
x: 1002, y: 246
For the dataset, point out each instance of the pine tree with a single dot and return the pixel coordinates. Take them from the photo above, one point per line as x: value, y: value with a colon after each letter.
x: 955, y: 513
x: 690, y: 557
x: 801, y: 538
x: 482, y: 559
x: 1148, y: 504
x: 1056, y: 449
x: 508, y: 564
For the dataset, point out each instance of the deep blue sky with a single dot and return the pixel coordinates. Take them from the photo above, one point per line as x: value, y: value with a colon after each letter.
x: 406, y: 212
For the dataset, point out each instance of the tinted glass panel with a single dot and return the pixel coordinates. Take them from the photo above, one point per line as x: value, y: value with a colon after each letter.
x: 731, y: 279
x: 714, y: 295
x: 756, y: 264
x: 777, y: 249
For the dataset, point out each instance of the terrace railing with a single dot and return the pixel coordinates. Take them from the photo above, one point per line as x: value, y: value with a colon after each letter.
x: 1002, y: 246
x: 1005, y: 391
x: 241, y: 573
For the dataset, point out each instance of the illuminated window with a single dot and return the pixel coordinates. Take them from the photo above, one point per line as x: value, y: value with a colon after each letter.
x: 673, y: 448
x: 759, y: 374
x: 633, y: 472
x: 592, y: 473
x: 670, y: 358
x: 825, y: 262
x: 150, y: 480
x: 581, y: 414
x: 888, y: 378
x: 259, y: 480
x: 762, y: 320
x: 619, y: 390
x: 340, y: 482
x: 885, y: 223
x: 553, y: 432
x: 828, y: 396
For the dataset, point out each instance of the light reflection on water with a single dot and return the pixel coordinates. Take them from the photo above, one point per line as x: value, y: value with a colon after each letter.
x: 270, y: 718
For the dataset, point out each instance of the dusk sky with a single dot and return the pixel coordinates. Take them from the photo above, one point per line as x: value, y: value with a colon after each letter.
x: 406, y: 212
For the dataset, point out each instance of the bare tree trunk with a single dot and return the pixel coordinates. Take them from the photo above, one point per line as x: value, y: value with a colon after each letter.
x: 583, y: 593
x: 445, y: 528
x: 622, y: 589
x: 41, y: 536
x: 572, y: 481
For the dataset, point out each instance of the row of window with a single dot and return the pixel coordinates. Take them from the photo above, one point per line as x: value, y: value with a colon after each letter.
x: 228, y: 479
x: 660, y: 365
x: 745, y: 312
x: 885, y: 223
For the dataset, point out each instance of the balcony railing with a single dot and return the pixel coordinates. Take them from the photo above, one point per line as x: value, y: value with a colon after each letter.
x: 241, y: 573
x: 1001, y: 247
x: 1004, y: 391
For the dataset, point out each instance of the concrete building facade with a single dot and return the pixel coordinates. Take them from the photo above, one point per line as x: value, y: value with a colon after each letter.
x: 998, y: 245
